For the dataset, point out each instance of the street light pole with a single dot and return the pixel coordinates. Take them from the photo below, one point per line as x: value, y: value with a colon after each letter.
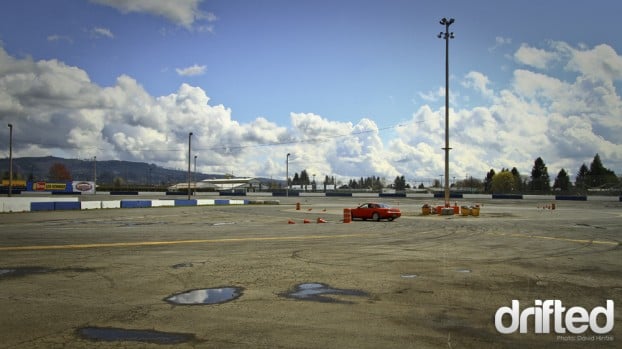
x: 446, y: 35
x: 95, y: 174
x: 189, y: 161
x: 10, y: 159
x: 194, y: 179
x: 287, y: 175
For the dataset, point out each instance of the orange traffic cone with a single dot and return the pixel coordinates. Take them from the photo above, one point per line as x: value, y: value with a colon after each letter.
x: 305, y: 221
x: 320, y: 220
x: 291, y: 222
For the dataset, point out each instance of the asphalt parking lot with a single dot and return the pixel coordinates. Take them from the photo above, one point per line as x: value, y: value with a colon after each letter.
x: 105, y: 278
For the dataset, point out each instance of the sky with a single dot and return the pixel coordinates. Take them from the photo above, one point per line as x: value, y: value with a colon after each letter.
x: 349, y: 88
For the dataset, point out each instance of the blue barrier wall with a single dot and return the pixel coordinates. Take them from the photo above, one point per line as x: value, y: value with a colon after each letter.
x: 67, y: 205
x: 451, y: 195
x: 41, y: 206
x: 508, y: 196
x: 135, y: 203
x: 571, y: 197
x: 180, y: 202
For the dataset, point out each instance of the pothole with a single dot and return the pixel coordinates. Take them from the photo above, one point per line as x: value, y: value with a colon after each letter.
x: 205, y: 296
x: 317, y: 291
x: 182, y: 265
x: 24, y: 271
x: 110, y: 334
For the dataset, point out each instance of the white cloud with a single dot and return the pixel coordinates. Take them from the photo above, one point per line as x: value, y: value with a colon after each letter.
x: 478, y: 82
x: 60, y: 38
x: 534, y: 57
x: 193, y: 70
x: 181, y: 12
x: 57, y: 110
x: 102, y: 32
x: 500, y: 41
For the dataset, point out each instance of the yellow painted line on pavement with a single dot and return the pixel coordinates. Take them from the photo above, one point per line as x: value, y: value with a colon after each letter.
x: 173, y: 242
x: 580, y: 241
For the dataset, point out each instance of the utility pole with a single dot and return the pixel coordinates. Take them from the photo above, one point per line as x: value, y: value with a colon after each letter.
x: 446, y: 35
x: 287, y: 175
x: 189, y: 161
x: 10, y: 159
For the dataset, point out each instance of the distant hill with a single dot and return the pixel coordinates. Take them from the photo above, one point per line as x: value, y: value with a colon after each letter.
x: 132, y: 173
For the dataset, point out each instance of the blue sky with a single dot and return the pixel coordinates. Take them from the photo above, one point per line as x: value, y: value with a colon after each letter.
x: 302, y: 69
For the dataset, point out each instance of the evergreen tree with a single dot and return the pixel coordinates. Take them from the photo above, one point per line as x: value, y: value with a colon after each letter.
x: 488, y: 181
x: 540, y: 181
x: 582, y: 177
x: 599, y: 175
x: 562, y: 181
x: 518, y: 182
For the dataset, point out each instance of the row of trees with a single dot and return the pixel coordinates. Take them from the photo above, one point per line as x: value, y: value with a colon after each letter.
x: 511, y: 181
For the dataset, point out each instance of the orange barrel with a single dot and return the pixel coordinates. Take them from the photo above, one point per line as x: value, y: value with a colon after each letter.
x: 465, y: 211
x: 298, y: 206
x: 425, y: 210
x: 347, y: 215
x: 552, y: 206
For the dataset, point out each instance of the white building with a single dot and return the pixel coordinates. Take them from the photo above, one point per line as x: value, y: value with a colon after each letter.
x: 221, y: 184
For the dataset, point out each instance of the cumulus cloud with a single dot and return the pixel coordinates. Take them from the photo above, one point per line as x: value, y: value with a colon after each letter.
x: 534, y: 57
x: 57, y: 110
x: 193, y: 70
x: 181, y: 12
x: 478, y: 82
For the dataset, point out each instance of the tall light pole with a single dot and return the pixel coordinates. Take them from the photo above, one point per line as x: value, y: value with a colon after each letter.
x: 194, y: 176
x: 287, y: 175
x: 446, y: 35
x: 189, y: 160
x: 95, y: 174
x: 10, y: 159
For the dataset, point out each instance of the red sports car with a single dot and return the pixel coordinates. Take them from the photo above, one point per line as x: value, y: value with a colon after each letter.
x: 375, y: 211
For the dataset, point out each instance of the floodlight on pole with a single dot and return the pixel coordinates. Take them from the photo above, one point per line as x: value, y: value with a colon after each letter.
x: 446, y: 35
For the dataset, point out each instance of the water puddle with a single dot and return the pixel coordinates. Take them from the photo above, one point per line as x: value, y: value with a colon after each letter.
x: 408, y: 276
x: 109, y: 334
x: 205, y: 296
x: 183, y: 265
x: 24, y: 271
x: 463, y: 271
x: 316, y: 292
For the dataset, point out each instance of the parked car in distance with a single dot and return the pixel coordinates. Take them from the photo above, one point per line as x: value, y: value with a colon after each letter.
x: 375, y: 211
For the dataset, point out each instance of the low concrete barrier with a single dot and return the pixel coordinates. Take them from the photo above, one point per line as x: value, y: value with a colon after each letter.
x: 162, y: 203
x: 90, y: 205
x: 66, y: 205
x: 508, y: 196
x: 205, y: 202
x: 111, y: 204
x: 185, y: 202
x: 41, y: 206
x: 135, y: 203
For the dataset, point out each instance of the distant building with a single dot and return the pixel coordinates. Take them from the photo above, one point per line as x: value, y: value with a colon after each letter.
x: 221, y: 184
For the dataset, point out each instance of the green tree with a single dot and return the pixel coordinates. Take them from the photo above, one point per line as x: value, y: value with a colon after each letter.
x: 562, y: 181
x: 599, y: 175
x: 540, y: 181
x: 518, y: 185
x: 488, y: 181
x: 503, y: 182
x: 399, y: 183
x: 582, y: 179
